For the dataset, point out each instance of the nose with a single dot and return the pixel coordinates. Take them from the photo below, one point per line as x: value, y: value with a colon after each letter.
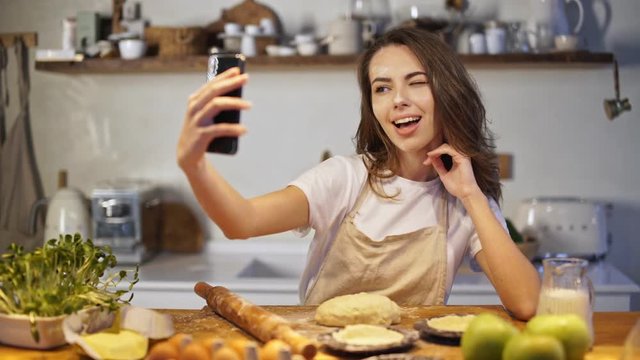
x: 399, y: 99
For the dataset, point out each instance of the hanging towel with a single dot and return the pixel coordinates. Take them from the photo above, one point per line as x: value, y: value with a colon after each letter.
x: 4, y: 92
x: 20, y: 185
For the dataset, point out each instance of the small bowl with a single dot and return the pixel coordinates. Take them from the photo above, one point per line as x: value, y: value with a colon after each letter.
x: 132, y: 48
x: 15, y: 330
x: 566, y: 42
x: 286, y: 51
x: 308, y: 49
x: 273, y: 50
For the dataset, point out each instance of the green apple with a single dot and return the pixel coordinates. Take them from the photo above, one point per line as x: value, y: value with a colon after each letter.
x: 570, y: 329
x: 486, y: 337
x: 527, y: 346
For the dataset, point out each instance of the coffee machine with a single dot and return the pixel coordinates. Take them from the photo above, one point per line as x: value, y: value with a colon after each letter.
x: 127, y: 217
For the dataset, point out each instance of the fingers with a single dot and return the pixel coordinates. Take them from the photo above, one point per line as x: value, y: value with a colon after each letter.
x: 222, y: 130
x: 224, y: 83
x: 205, y: 115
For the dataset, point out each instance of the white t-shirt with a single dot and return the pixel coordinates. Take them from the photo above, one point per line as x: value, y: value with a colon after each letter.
x: 332, y: 188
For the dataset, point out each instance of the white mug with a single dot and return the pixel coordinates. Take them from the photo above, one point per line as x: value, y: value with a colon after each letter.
x: 345, y: 37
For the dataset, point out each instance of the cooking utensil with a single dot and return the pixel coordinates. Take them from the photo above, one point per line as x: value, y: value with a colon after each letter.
x: 409, y: 338
x: 565, y: 226
x: 254, y: 319
x: 67, y: 211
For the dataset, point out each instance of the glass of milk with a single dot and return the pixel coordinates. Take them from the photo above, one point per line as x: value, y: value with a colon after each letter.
x: 566, y: 288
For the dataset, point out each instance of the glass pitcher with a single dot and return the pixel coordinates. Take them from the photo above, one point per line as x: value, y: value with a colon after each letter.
x: 566, y: 288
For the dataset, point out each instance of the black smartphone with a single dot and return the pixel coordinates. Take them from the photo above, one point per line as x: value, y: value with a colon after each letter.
x: 218, y: 63
x: 447, y: 161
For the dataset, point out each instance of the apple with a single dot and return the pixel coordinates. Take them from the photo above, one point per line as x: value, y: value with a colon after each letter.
x: 570, y: 329
x: 486, y: 337
x: 526, y: 346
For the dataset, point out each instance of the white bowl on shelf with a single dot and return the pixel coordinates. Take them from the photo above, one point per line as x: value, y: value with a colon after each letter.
x: 132, y: 48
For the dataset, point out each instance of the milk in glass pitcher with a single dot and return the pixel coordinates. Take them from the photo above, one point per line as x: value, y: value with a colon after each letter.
x: 566, y: 288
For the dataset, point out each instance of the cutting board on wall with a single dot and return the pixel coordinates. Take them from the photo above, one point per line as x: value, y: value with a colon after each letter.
x: 181, y: 230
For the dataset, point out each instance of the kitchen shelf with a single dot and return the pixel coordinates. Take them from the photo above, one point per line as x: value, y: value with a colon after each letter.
x: 199, y: 63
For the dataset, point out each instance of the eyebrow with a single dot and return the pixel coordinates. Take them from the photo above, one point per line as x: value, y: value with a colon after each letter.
x: 407, y: 77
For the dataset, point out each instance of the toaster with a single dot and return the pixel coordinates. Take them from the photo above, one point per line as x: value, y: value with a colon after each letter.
x: 565, y: 226
x: 126, y: 215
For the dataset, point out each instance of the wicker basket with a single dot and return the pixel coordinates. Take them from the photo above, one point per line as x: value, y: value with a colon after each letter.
x: 172, y: 42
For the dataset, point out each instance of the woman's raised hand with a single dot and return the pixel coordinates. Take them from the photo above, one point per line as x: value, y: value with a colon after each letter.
x: 197, y: 130
x: 459, y: 180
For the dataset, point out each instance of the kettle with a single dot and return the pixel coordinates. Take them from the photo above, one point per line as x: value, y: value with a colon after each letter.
x: 67, y: 211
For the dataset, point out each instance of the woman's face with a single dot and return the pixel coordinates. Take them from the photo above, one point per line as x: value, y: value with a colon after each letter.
x: 402, y: 100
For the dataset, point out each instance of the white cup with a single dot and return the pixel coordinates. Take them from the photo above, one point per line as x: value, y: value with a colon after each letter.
x: 232, y: 28
x: 252, y: 29
x: 267, y: 26
x: 477, y: 43
x: 495, y: 38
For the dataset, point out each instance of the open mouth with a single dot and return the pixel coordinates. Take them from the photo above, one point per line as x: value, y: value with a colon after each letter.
x: 400, y: 123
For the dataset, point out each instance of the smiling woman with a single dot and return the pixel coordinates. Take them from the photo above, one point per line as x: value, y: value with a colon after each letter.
x: 397, y: 218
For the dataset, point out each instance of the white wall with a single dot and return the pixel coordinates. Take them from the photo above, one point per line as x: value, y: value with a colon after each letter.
x: 549, y: 117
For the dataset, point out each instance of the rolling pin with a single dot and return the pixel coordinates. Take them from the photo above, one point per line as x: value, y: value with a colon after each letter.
x: 262, y: 324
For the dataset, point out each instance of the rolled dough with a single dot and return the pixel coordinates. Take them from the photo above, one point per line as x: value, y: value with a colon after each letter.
x: 361, y: 308
x: 363, y: 334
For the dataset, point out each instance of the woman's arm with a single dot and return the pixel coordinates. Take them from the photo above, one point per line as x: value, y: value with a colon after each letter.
x: 513, y: 276
x: 511, y: 273
x: 237, y: 217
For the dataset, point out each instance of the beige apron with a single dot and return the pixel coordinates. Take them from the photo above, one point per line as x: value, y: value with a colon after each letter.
x: 410, y: 269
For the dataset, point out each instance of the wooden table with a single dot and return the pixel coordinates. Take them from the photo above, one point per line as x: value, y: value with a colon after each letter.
x: 611, y: 329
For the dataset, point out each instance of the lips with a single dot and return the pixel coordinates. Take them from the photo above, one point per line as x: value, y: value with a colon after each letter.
x: 406, y: 121
x: 406, y: 125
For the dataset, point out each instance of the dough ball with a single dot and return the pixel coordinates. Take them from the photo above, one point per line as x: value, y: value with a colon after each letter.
x: 361, y: 308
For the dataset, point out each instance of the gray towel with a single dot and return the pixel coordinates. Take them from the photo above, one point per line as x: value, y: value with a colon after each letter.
x: 20, y: 185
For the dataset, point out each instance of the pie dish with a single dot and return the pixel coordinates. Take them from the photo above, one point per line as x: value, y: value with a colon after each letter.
x: 402, y: 356
x: 444, y: 329
x: 405, y: 341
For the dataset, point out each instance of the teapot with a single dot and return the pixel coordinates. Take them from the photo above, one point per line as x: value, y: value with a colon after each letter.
x: 566, y: 289
x: 67, y: 211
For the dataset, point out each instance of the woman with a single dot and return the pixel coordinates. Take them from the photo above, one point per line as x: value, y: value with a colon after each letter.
x: 397, y: 218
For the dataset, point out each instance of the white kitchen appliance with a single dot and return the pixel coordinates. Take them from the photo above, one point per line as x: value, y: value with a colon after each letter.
x: 565, y: 226
x: 127, y: 217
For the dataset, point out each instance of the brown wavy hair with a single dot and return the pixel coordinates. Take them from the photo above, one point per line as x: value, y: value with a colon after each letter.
x: 458, y: 108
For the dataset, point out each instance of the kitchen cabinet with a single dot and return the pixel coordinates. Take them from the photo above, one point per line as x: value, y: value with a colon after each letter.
x: 199, y: 63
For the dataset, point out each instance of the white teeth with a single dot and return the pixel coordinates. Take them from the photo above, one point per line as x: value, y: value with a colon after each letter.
x: 406, y: 120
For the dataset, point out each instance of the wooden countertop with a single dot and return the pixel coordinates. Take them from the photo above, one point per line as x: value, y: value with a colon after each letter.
x: 611, y: 329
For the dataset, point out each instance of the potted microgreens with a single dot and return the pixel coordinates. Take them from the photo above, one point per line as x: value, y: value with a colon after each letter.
x: 39, y: 288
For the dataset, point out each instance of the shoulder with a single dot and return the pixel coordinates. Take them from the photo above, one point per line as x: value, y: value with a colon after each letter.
x: 343, y: 168
x: 336, y: 174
